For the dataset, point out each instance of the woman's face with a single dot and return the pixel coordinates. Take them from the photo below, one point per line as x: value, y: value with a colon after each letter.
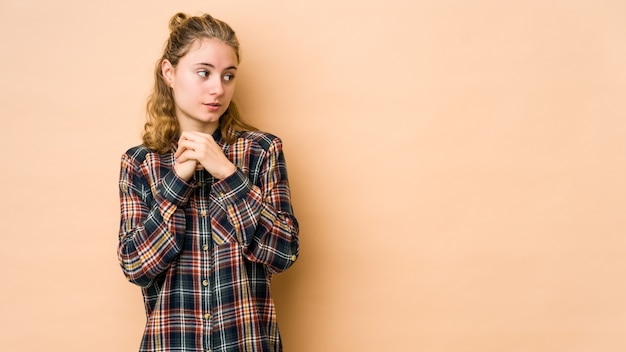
x: 203, y: 84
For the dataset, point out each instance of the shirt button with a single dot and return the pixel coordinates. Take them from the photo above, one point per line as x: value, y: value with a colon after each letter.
x: 199, y: 183
x: 207, y: 316
x: 293, y: 258
x: 205, y: 247
x: 205, y: 283
x: 222, y: 194
x: 203, y: 213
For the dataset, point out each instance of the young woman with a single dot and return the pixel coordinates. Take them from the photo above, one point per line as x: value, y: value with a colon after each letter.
x: 206, y: 215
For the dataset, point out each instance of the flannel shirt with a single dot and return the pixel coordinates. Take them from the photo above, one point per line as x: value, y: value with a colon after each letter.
x: 204, y: 251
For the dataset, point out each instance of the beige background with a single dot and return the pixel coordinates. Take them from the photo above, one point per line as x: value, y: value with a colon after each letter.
x: 458, y: 168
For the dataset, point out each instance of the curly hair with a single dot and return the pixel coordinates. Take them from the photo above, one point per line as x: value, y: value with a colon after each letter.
x: 162, y: 127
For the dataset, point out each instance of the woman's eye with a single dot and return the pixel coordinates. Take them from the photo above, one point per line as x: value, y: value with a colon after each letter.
x: 203, y: 73
x: 229, y: 77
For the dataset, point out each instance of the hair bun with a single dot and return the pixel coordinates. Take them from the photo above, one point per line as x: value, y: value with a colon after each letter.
x: 177, y: 20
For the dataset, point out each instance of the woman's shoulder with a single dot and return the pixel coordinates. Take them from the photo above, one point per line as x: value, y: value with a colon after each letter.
x: 264, y: 139
x: 139, y: 153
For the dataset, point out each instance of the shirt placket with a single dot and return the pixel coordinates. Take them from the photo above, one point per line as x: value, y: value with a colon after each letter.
x: 204, y: 188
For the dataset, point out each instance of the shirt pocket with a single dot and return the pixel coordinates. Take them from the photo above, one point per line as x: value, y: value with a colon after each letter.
x: 222, y: 236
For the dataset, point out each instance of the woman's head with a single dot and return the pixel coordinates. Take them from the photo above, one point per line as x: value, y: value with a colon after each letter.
x: 188, y: 33
x: 185, y: 30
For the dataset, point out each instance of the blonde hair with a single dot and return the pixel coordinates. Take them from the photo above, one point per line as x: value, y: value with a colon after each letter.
x: 162, y: 127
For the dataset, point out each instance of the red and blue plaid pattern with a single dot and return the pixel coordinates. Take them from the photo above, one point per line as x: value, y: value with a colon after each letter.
x: 204, y: 251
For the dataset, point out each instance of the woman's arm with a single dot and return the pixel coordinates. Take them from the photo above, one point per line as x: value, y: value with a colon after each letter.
x: 261, y: 215
x: 152, y: 224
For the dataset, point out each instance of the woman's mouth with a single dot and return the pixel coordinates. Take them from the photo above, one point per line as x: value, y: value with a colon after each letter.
x: 213, y: 106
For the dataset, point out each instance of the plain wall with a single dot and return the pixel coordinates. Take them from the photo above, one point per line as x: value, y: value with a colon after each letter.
x: 457, y: 167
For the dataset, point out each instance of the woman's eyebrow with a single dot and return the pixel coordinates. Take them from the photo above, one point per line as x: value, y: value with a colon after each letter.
x: 213, y: 67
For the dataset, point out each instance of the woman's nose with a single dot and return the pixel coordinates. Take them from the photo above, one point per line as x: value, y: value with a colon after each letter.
x: 216, y: 86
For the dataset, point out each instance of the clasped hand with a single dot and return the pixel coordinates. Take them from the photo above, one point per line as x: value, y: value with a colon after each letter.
x: 197, y: 150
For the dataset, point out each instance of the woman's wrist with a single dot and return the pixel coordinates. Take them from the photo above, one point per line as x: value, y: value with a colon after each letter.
x: 229, y: 171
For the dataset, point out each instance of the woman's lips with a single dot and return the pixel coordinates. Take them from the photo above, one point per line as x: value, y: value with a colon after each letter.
x: 213, y: 106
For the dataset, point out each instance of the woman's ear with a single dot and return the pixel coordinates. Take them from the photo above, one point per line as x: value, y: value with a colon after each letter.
x: 167, y: 70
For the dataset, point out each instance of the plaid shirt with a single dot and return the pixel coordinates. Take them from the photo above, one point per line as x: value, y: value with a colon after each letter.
x: 204, y: 251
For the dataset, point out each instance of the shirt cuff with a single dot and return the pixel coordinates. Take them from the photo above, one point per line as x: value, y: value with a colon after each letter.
x: 175, y: 189
x: 234, y: 186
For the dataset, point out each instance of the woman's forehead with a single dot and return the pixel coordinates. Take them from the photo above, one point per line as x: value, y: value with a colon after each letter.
x: 207, y: 48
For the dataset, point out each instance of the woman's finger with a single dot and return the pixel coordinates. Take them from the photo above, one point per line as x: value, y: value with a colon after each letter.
x: 184, y: 143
